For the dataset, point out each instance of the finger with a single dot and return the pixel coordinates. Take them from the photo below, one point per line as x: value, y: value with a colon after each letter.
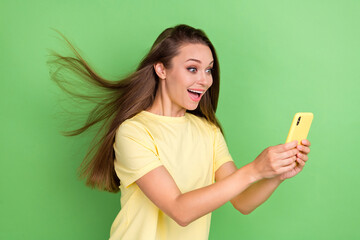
x: 288, y: 154
x: 287, y: 161
x: 287, y: 168
x: 285, y: 147
x: 301, y: 162
x: 306, y: 142
x: 303, y: 149
x: 303, y: 157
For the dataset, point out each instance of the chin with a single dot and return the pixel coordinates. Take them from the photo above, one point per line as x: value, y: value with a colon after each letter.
x: 192, y: 107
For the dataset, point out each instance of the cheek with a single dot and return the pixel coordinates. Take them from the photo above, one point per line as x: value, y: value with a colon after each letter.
x: 177, y: 86
x: 210, y: 82
x: 183, y: 82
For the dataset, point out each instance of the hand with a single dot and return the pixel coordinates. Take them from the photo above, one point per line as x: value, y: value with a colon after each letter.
x: 301, y: 160
x: 275, y: 160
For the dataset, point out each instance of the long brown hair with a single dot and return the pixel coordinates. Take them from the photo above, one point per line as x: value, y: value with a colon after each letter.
x: 124, y: 98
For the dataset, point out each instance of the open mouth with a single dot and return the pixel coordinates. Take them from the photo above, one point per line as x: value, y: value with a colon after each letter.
x: 195, y: 95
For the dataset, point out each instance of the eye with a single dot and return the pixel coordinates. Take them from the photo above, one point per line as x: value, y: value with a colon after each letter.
x: 192, y: 69
x: 209, y: 70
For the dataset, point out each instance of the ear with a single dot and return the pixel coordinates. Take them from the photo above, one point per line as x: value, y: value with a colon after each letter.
x: 160, y: 70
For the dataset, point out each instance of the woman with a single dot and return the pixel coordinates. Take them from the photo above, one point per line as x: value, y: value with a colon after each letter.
x: 164, y: 148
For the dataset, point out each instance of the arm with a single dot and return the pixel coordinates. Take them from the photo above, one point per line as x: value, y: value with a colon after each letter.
x: 259, y: 192
x: 161, y: 189
x: 252, y: 197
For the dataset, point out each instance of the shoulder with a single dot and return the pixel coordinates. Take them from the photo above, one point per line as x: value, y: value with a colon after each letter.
x: 133, y: 134
x: 134, y: 126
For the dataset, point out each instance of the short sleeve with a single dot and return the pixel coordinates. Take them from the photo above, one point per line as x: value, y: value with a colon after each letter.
x: 135, y: 153
x: 221, y: 151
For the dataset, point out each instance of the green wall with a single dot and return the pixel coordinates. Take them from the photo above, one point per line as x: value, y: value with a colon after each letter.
x: 277, y: 58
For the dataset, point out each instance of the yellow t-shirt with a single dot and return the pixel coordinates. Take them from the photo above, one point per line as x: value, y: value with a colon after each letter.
x: 189, y: 147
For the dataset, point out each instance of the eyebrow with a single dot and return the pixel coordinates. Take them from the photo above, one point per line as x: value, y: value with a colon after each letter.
x: 197, y: 60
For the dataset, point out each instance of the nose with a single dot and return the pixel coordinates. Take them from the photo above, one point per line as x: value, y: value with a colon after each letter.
x: 205, y: 79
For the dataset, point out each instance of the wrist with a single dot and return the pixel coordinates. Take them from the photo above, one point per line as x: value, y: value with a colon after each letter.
x: 251, y: 172
x: 278, y: 179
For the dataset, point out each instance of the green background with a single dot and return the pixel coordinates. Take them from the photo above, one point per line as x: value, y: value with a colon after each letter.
x: 277, y: 58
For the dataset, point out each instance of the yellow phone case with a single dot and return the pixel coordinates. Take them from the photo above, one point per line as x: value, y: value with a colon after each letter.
x: 300, y: 127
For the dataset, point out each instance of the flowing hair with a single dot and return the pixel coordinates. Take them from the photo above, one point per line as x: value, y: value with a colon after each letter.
x: 122, y: 99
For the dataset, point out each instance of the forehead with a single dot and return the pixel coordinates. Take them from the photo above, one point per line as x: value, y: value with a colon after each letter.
x: 195, y: 51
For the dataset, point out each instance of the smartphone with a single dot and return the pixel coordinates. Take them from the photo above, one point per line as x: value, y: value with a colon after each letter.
x: 300, y: 127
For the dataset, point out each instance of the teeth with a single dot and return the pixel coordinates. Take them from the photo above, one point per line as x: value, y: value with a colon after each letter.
x: 200, y: 92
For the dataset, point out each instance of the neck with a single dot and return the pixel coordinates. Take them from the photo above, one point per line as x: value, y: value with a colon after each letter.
x: 163, y: 105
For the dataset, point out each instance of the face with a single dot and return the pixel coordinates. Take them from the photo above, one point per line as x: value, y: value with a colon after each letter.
x: 189, y: 76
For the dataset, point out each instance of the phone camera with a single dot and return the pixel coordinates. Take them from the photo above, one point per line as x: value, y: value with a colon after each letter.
x: 298, y: 121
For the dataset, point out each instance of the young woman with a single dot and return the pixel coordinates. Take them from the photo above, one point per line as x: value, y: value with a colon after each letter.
x: 163, y: 147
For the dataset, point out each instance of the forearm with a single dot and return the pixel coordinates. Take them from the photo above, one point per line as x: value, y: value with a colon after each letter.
x: 194, y: 204
x: 255, y: 195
